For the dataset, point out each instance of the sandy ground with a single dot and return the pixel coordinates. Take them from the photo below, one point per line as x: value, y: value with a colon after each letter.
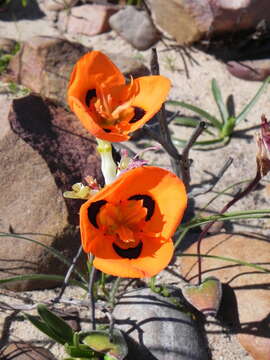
x: 206, y: 164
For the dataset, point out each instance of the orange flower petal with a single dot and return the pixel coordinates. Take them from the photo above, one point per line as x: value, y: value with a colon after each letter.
x: 92, y: 125
x: 132, y: 105
x: 153, y: 92
x: 167, y: 193
x: 148, y: 264
x: 163, y: 186
x: 92, y: 69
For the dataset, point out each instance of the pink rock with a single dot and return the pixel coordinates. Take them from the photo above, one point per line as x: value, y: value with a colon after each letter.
x: 232, y: 4
x: 253, y: 70
x: 90, y: 19
x: 190, y: 20
x: 231, y: 16
x: 249, y: 286
x: 44, y: 64
x: 44, y: 150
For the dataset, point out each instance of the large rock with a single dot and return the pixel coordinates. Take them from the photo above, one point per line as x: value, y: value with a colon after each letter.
x: 23, y: 351
x: 158, y: 328
x: 44, y: 65
x: 135, y: 27
x: 250, y: 288
x: 42, y: 153
x: 185, y: 20
x: 238, y: 14
x: 189, y: 20
x: 87, y: 19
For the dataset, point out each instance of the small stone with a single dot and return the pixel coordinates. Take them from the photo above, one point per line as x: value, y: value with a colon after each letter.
x: 135, y: 27
x: 163, y: 331
x: 24, y: 351
x: 7, y: 45
x: 252, y: 70
x: 90, y: 19
x: 58, y: 5
x: 250, y: 299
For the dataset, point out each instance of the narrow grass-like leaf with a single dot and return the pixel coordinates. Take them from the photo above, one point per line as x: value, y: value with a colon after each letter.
x: 56, y: 278
x: 219, y: 101
x: 253, y: 101
x: 236, y: 261
x: 223, y: 192
x: 188, y: 121
x: 234, y: 215
x: 45, y: 328
x: 216, y: 123
x: 56, y: 323
x: 50, y: 249
x: 181, y: 142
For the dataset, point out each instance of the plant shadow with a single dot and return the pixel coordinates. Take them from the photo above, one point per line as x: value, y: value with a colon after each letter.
x: 16, y: 11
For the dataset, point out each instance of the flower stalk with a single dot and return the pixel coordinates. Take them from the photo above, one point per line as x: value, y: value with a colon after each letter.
x: 108, y: 166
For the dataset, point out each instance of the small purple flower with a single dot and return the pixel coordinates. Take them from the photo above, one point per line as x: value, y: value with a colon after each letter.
x: 265, y: 131
x: 263, y: 144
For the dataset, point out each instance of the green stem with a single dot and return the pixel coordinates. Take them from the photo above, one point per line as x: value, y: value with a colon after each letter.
x: 114, y: 291
x: 91, y: 285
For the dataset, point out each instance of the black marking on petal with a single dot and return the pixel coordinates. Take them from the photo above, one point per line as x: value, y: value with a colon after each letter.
x: 116, y: 157
x: 107, y: 130
x: 131, y: 253
x: 148, y: 203
x: 138, y: 114
x: 93, y: 211
x: 89, y: 95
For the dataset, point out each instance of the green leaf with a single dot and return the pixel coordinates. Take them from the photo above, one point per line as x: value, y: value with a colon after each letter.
x: 100, y: 341
x: 219, y: 101
x: 188, y: 121
x: 108, y: 357
x: 56, y: 278
x: 50, y: 249
x: 253, y: 101
x: 82, y: 351
x: 228, y: 127
x: 233, y: 215
x: 82, y: 358
x: 44, y: 328
x: 236, y: 261
x: 181, y: 142
x: 57, y: 324
x: 215, y: 122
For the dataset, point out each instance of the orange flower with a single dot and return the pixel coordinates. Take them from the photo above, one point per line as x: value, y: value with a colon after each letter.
x: 108, y: 107
x: 128, y: 225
